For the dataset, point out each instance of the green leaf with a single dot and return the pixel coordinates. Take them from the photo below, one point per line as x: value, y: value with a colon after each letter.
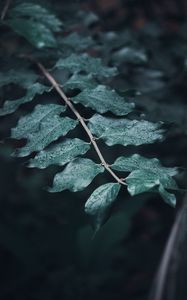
x: 100, y: 202
x: 22, y: 77
x: 87, y: 18
x: 77, y: 175
x: 60, y: 154
x: 35, y: 23
x: 11, y: 106
x: 130, y: 55
x: 36, y: 33
x: 84, y: 62
x: 103, y: 99
x: 77, y: 41
x: 147, y: 174
x: 37, y: 13
x: 42, y: 127
x: 168, y: 197
x: 136, y: 161
x: 140, y: 181
x: 124, y: 131
x: 78, y: 81
x: 32, y: 122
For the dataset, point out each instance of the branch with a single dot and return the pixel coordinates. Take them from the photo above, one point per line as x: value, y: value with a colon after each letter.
x: 168, y: 265
x: 5, y: 9
x: 81, y: 120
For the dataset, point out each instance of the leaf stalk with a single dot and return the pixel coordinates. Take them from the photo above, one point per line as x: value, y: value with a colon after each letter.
x: 68, y: 102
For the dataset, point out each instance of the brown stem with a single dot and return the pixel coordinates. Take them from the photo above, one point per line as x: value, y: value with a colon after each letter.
x: 81, y: 120
x: 5, y: 9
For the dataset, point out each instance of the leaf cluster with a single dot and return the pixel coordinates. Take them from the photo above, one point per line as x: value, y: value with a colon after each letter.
x: 114, y: 121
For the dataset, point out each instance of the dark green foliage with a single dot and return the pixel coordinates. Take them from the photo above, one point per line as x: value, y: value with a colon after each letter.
x: 147, y: 175
x: 11, y: 106
x: 41, y: 128
x: 89, y: 82
x: 35, y: 23
x: 21, y: 77
x: 129, y: 55
x: 125, y: 131
x: 60, y: 154
x: 76, y: 63
x: 100, y: 202
x: 77, y: 42
x: 96, y: 99
x: 78, y: 81
x: 47, y: 247
x: 37, y: 13
x: 76, y: 176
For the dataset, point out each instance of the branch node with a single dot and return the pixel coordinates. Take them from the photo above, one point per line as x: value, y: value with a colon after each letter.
x: 80, y: 118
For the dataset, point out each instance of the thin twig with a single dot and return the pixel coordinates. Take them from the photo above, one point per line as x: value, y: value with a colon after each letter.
x: 5, y: 9
x: 81, y: 120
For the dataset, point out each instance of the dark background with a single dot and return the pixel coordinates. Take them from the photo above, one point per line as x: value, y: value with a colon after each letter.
x: 46, y: 246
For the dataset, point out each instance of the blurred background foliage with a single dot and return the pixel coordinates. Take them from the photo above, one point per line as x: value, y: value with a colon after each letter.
x: 47, y: 249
